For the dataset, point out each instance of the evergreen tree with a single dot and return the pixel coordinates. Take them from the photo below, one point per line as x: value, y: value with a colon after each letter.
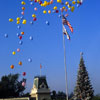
x: 83, y: 89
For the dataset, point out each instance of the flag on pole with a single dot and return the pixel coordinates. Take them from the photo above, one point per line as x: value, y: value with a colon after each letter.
x: 40, y: 66
x: 66, y: 33
x: 65, y: 22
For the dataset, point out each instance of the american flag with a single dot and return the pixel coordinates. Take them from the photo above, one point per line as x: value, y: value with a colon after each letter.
x: 66, y: 33
x: 65, y: 22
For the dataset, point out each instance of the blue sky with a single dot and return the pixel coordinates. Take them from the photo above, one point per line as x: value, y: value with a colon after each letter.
x: 47, y: 44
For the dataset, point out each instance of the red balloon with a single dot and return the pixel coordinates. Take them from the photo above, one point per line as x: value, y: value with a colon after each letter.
x: 35, y: 0
x: 24, y: 73
x: 34, y: 19
x: 57, y: 11
x: 20, y: 37
x: 40, y: 2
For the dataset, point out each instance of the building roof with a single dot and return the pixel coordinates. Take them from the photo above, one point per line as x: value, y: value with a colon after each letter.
x: 40, y: 82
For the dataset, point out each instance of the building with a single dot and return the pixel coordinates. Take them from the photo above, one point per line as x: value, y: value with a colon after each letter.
x: 40, y: 90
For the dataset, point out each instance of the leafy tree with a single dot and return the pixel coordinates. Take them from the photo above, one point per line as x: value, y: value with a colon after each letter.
x: 53, y: 95
x: 61, y: 95
x: 10, y: 86
x: 58, y: 96
x: 83, y: 89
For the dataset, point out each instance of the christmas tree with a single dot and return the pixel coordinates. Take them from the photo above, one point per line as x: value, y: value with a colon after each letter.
x: 83, y: 89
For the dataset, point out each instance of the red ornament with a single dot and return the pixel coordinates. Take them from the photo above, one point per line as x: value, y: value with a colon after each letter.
x: 57, y: 11
x: 20, y: 37
x: 24, y: 73
x: 34, y: 19
x: 40, y: 2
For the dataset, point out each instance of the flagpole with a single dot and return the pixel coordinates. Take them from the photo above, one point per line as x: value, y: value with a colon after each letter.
x: 40, y: 70
x: 65, y: 66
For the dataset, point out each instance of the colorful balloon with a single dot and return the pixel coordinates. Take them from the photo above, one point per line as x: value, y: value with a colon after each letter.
x: 20, y: 63
x: 55, y: 8
x: 19, y: 27
x: 47, y: 22
x: 23, y: 84
x: 35, y: 9
x: 6, y: 35
x: 20, y: 42
x: 31, y: 38
x: 31, y: 3
x: 22, y: 12
x: 18, y: 18
x: 23, y: 3
x: 10, y: 20
x: 20, y: 37
x: 34, y: 19
x: 13, y: 52
x: 59, y: 1
x: 24, y: 73
x: 12, y: 66
x: 49, y: 11
x: 72, y: 8
x: 22, y: 17
x: 33, y: 15
x: 22, y: 33
x: 29, y: 60
x: 44, y: 11
x: 24, y: 21
x: 23, y: 8
x: 31, y: 22
x: 18, y: 22
x: 18, y: 50
x: 57, y: 11
x: 18, y: 34
x: 40, y: 2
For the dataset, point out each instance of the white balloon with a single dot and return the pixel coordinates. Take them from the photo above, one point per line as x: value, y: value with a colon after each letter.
x: 20, y: 42
x: 6, y: 35
x: 31, y: 38
x: 30, y: 60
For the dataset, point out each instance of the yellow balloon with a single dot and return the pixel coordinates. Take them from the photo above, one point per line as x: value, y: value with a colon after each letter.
x: 44, y: 11
x: 59, y: 1
x: 13, y: 52
x: 41, y: 4
x: 23, y: 3
x: 66, y: 3
x: 78, y: 1
x: 33, y: 15
x: 55, y: 8
x: 24, y: 21
x: 10, y: 20
x: 38, y: 0
x: 63, y: 7
x: 49, y: 11
x: 18, y: 19
x: 73, y: 2
x: 72, y: 9
x: 18, y: 22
